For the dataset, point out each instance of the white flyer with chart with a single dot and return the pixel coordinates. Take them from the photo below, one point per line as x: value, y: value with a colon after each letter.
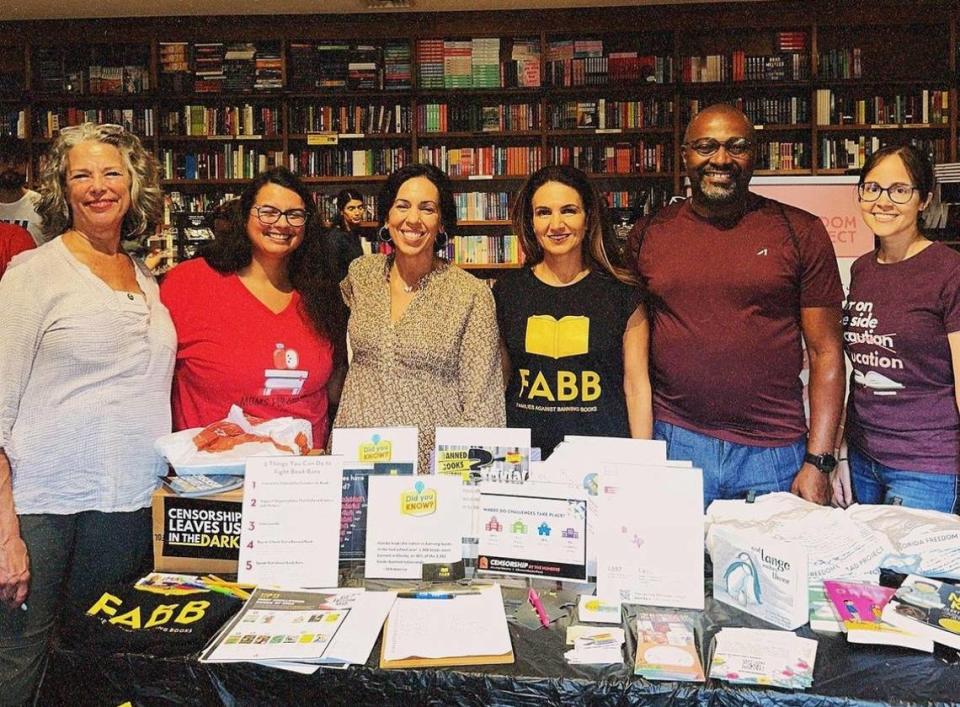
x: 533, y: 531
x: 412, y: 520
x: 290, y: 535
x: 370, y: 445
x: 650, y: 536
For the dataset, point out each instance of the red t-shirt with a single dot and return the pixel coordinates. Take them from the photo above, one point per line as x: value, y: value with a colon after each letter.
x: 725, y: 299
x: 13, y: 240
x: 233, y: 350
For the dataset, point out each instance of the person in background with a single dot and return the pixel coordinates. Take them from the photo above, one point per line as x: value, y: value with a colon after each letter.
x: 13, y: 240
x: 18, y: 205
x: 258, y: 318
x: 423, y: 332
x: 902, y: 335
x: 736, y: 283
x: 345, y: 232
x: 574, y: 334
x: 86, y: 359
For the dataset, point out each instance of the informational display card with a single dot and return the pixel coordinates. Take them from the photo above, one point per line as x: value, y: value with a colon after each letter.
x: 412, y: 520
x: 290, y: 535
x: 650, y: 536
x: 370, y: 445
x: 532, y: 531
x: 353, y: 507
x: 498, y: 454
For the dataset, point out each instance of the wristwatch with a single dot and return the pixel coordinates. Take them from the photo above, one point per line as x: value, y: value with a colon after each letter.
x: 824, y: 462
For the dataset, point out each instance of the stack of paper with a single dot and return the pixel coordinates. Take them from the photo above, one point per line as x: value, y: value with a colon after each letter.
x: 754, y: 656
x: 860, y: 606
x: 594, y: 646
x: 667, y: 647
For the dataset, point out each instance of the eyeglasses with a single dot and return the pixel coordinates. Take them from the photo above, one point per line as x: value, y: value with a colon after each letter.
x: 268, y: 215
x: 898, y: 193
x: 707, y: 147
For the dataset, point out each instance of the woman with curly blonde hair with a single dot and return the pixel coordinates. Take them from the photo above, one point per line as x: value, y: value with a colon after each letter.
x: 86, y: 359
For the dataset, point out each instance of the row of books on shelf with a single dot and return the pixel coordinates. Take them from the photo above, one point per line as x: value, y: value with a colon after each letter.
x: 231, y: 161
x: 605, y: 70
x: 346, y: 162
x: 840, y: 64
x: 603, y: 114
x: 782, y: 156
x: 216, y: 67
x: 207, y: 121
x: 54, y: 72
x: 924, y: 107
x: 482, y: 206
x: 482, y: 161
x: 13, y: 123
x: 139, y: 121
x: 620, y: 158
x: 350, y: 118
x: 495, y: 117
x: 336, y: 65
x: 852, y: 152
x: 481, y: 62
x: 737, y: 66
x: 483, y: 250
x: 761, y: 110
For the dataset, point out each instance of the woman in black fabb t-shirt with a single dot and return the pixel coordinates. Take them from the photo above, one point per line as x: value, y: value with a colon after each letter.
x: 575, y: 339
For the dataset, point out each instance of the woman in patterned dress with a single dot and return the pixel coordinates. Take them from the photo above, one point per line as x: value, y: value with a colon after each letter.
x: 423, y: 332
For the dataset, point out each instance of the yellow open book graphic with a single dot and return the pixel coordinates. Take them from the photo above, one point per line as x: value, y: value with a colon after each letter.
x: 548, y: 337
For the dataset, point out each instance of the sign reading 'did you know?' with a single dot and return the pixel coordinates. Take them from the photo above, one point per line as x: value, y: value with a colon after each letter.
x: 373, y: 445
x: 412, y: 520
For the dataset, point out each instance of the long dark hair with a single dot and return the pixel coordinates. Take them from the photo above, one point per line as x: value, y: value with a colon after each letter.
x: 439, y: 179
x: 343, y: 198
x: 599, y: 243
x: 310, y: 267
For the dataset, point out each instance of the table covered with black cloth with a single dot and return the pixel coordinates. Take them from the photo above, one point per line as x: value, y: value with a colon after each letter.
x: 844, y: 675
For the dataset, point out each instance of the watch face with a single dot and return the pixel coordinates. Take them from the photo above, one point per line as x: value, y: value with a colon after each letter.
x: 824, y: 462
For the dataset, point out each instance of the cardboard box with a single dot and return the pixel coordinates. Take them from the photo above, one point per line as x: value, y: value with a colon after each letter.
x: 196, y: 535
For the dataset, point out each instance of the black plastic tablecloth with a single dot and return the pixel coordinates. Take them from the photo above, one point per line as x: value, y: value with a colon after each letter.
x: 844, y: 674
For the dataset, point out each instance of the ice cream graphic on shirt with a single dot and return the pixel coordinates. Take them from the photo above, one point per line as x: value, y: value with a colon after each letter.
x: 284, y: 378
x: 860, y: 330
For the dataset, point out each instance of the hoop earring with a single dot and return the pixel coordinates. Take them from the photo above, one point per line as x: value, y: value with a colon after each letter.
x: 442, y: 239
x: 383, y: 235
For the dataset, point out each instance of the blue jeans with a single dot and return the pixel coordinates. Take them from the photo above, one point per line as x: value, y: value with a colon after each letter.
x: 732, y: 470
x: 874, y: 482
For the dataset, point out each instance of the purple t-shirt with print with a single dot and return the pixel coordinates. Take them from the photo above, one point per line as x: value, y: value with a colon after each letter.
x: 902, y: 409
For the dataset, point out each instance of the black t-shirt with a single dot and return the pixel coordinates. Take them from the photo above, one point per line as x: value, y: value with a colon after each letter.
x: 566, y: 354
x: 345, y: 248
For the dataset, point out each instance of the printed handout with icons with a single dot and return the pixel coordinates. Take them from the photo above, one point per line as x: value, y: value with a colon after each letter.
x: 412, y: 520
x: 370, y: 445
x: 650, y: 536
x: 533, y: 531
x: 290, y: 536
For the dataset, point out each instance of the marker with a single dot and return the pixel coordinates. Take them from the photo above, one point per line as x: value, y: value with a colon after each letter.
x: 534, y: 600
x: 434, y: 595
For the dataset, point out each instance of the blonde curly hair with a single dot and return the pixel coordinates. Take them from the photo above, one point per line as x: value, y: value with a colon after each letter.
x: 146, y: 197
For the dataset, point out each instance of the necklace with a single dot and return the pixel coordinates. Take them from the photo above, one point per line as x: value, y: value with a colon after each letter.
x: 418, y: 285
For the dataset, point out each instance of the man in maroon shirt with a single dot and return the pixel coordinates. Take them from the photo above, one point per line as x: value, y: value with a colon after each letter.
x: 734, y: 281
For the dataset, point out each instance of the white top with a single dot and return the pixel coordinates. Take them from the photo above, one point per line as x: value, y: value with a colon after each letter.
x: 85, y: 377
x: 23, y: 213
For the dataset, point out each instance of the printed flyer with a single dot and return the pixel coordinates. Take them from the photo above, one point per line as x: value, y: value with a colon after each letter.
x: 373, y: 445
x: 533, y: 531
x: 412, y: 520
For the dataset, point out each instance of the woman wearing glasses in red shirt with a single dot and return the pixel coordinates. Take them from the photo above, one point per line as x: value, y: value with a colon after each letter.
x: 901, y: 333
x: 259, y: 320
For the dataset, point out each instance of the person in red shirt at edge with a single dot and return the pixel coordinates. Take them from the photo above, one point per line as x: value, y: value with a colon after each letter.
x: 13, y: 240
x: 735, y: 284
x: 259, y: 320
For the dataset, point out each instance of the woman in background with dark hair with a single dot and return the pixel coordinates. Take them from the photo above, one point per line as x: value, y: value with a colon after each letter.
x: 574, y: 333
x: 901, y: 331
x: 258, y: 318
x: 344, y: 235
x: 423, y: 332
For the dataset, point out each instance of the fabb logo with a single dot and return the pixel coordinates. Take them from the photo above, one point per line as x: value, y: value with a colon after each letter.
x: 421, y: 501
x: 376, y: 450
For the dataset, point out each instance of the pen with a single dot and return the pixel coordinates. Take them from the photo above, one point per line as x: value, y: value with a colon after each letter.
x: 434, y: 595
x: 534, y: 600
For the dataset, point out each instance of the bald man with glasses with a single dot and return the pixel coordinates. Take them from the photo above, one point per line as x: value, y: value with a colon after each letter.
x: 736, y: 284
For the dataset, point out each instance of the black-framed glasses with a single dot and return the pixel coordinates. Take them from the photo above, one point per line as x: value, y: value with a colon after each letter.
x: 707, y: 147
x: 268, y: 215
x: 898, y: 192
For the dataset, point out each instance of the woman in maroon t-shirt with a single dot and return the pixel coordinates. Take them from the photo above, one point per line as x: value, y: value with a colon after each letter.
x: 902, y: 335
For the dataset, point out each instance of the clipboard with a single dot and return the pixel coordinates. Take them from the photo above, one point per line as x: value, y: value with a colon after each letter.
x: 451, y: 661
